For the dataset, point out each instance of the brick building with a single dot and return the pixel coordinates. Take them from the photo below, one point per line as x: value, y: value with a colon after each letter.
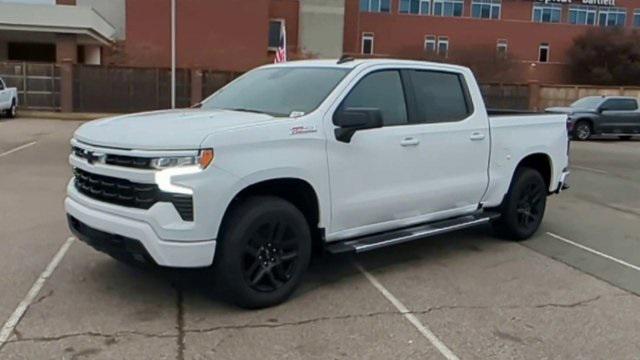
x: 529, y: 37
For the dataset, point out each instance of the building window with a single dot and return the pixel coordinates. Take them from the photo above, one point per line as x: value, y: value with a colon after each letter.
x: 547, y: 13
x: 367, y: 43
x: 543, y: 53
x: 612, y: 17
x: 422, y: 7
x: 275, y: 32
x: 582, y: 15
x: 636, y: 18
x: 448, y: 7
x: 375, y: 5
x: 443, y: 46
x: 502, y: 48
x: 486, y: 9
x: 430, y: 44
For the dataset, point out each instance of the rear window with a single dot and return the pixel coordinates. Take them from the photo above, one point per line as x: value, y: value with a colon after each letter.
x: 440, y: 96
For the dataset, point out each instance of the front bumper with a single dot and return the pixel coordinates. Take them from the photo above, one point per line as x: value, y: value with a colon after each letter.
x: 110, y: 232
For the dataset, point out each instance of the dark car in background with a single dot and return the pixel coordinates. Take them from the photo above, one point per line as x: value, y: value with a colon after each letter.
x: 602, y: 115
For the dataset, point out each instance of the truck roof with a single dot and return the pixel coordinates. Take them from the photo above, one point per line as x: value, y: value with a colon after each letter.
x: 350, y: 64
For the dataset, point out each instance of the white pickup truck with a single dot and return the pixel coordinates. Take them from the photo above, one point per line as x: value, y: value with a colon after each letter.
x: 295, y: 159
x: 8, y: 100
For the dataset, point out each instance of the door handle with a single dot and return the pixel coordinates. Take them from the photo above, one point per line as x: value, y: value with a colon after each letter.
x: 410, y: 141
x: 476, y: 135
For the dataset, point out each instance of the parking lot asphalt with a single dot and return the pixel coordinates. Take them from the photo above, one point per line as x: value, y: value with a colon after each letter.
x: 570, y: 292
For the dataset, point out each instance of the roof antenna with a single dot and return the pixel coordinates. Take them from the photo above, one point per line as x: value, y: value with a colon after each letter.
x: 345, y: 59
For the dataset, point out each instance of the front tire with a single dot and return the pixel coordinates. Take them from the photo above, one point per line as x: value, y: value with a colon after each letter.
x: 263, y: 252
x: 523, y: 207
x: 582, y: 131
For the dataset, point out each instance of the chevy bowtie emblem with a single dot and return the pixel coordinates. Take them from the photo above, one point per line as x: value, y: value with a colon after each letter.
x: 93, y: 157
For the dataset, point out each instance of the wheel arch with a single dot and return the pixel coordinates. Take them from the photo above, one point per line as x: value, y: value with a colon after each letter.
x: 540, y: 162
x: 297, y: 191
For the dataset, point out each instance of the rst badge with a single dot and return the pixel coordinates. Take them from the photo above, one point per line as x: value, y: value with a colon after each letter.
x: 297, y: 130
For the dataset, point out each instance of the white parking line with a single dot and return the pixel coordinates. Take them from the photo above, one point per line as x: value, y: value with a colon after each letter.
x: 18, y: 148
x: 444, y: 350
x: 22, y: 308
x: 578, y: 167
x: 596, y: 252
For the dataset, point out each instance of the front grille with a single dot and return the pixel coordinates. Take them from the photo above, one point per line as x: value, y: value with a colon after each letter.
x: 136, y: 162
x: 129, y: 194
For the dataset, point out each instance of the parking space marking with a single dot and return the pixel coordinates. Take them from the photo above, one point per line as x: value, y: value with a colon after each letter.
x: 18, y: 148
x: 22, y: 308
x: 433, y: 339
x: 596, y: 252
x: 584, y: 168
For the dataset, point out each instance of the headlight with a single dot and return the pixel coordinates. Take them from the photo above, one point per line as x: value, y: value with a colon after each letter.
x: 177, y: 166
x: 203, y: 160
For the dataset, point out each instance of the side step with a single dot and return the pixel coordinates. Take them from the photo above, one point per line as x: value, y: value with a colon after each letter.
x: 372, y: 242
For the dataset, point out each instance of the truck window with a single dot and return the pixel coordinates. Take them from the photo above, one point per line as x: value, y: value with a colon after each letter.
x: 279, y: 91
x: 620, y: 105
x: 381, y: 90
x: 440, y: 96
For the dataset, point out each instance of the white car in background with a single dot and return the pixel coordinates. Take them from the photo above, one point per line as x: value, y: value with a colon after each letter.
x: 8, y: 100
x: 295, y: 158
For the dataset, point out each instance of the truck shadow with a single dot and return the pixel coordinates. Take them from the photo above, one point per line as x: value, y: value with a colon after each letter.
x: 332, y: 270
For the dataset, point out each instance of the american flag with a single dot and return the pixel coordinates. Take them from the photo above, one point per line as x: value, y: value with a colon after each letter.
x: 281, y: 53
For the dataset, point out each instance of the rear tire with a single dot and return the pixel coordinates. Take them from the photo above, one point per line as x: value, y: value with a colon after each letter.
x: 582, y: 131
x: 13, y: 111
x: 263, y: 252
x: 523, y: 207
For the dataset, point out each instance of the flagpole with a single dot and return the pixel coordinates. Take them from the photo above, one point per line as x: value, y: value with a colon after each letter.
x: 173, y: 54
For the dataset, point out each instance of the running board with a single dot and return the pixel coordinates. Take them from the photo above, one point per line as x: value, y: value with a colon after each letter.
x: 395, y: 237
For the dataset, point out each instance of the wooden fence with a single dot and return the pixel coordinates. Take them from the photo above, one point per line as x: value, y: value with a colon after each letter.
x: 38, y: 84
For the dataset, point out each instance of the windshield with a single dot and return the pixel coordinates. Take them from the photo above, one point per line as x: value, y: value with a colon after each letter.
x: 285, y: 91
x: 587, y: 103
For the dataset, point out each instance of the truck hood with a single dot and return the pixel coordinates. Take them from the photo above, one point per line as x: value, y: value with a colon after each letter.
x: 164, y: 130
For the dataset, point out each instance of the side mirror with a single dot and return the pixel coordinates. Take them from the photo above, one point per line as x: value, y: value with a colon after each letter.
x: 351, y: 120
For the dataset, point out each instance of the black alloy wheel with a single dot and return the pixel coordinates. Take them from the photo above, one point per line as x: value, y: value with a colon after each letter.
x: 271, y: 255
x: 262, y: 253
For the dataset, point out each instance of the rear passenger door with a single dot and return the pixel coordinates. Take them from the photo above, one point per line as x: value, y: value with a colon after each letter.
x: 454, y: 138
x: 620, y: 116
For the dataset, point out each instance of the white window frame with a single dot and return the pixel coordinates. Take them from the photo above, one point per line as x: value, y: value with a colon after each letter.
x: 368, y: 36
x: 612, y: 11
x: 491, y: 4
x: 282, y: 23
x: 421, y: 4
x: 431, y: 39
x: 543, y: 6
x: 443, y: 40
x: 433, y: 7
x: 502, y: 44
x: 379, y: 9
x: 541, y: 47
x: 587, y: 9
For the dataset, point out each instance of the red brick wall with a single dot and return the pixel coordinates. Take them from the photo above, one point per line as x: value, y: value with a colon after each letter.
x: 227, y: 35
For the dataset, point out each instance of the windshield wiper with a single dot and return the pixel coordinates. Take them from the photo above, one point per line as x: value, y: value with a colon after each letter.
x: 257, y: 112
x: 249, y: 111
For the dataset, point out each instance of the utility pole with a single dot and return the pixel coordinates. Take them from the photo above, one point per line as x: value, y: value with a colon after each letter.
x: 173, y: 54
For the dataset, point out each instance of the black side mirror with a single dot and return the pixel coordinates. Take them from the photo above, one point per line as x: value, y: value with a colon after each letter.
x: 351, y: 120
